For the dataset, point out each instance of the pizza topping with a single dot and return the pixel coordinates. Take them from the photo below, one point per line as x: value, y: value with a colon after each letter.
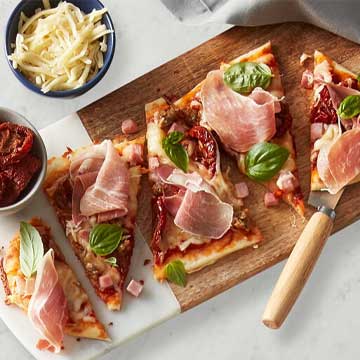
x: 105, y: 281
x: 242, y: 190
x: 307, y: 79
x: 133, y: 153
x: 102, y: 184
x: 244, y: 77
x: 264, y: 160
x: 349, y: 107
x: 153, y: 162
x: 316, y: 131
x: 135, y: 288
x: 201, y: 211
x: 203, y: 149
x: 270, y: 199
x: 31, y: 249
x: 112, y: 261
x: 104, y: 239
x: 175, y: 272
x: 322, y: 72
x: 175, y: 151
x: 48, y: 305
x: 173, y: 202
x: 339, y: 161
x: 287, y: 182
x: 240, y: 121
x: 129, y: 126
x: 283, y: 120
x: 323, y: 110
x: 177, y: 127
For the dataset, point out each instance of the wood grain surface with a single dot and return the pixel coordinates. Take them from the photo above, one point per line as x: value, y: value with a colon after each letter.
x: 280, y: 226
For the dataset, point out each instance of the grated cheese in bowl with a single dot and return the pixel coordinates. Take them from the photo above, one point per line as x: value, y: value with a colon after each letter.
x: 60, y: 48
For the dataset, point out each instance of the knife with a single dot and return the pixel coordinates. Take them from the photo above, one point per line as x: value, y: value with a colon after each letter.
x: 302, y: 258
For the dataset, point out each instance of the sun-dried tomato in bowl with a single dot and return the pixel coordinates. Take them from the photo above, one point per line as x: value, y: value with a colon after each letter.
x: 17, y: 163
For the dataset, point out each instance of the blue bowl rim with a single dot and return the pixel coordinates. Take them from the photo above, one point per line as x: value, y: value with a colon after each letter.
x: 18, y: 205
x: 65, y: 93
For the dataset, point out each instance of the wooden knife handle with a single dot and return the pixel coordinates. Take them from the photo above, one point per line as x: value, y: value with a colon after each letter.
x: 298, y: 267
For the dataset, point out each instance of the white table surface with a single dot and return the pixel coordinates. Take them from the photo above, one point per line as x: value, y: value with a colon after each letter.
x: 325, y: 322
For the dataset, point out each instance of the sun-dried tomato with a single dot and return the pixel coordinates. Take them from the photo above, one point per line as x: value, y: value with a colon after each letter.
x: 205, y: 150
x: 16, y: 142
x: 159, y: 226
x: 15, y: 178
x: 324, y: 111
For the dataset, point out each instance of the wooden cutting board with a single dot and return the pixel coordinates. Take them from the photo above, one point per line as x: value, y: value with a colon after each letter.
x: 280, y: 226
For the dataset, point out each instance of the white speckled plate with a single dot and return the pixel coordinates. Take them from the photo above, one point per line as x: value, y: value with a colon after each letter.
x: 155, y: 305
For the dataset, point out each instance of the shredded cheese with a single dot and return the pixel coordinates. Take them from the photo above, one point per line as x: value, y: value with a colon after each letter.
x: 60, y: 48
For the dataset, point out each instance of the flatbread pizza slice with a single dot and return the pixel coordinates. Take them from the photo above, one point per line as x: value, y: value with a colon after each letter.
x: 334, y: 122
x: 243, y: 102
x: 198, y: 217
x: 52, y: 293
x: 93, y: 191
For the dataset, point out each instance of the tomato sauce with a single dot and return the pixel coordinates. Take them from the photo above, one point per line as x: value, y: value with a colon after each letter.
x: 17, y: 164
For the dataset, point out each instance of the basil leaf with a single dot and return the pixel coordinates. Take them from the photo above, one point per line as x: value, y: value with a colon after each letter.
x: 175, y: 272
x: 112, y: 261
x: 175, y: 151
x: 349, y: 107
x: 105, y: 238
x: 264, y: 160
x: 244, y: 77
x: 31, y: 249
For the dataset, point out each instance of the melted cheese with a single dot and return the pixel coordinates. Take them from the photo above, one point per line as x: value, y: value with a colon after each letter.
x: 154, y: 137
x: 331, y: 133
x: 60, y: 48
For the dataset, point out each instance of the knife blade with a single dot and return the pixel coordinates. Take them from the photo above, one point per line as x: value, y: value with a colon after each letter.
x: 302, y: 258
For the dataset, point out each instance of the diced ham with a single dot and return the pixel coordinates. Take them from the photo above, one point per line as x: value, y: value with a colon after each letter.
x: 316, y: 131
x: 241, y: 190
x: 270, y: 199
x: 339, y: 160
x: 135, y: 288
x: 307, y: 79
x: 228, y: 113
x: 286, y: 181
x: 84, y: 234
x: 153, y: 162
x: 48, y: 307
x: 176, y: 127
x: 129, y: 126
x: 133, y: 153
x: 105, y: 281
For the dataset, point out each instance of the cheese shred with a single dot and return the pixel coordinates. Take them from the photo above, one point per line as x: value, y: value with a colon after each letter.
x: 60, y: 48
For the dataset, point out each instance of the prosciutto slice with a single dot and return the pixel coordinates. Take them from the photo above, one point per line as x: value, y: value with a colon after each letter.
x: 101, y: 183
x: 240, y: 121
x: 48, y: 308
x: 339, y: 162
x: 196, y: 208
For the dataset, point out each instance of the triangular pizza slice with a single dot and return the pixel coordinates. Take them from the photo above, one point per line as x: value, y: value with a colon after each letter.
x: 334, y: 121
x: 243, y: 102
x: 94, y: 193
x: 75, y: 311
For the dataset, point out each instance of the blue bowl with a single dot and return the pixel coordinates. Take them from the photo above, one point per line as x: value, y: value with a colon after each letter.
x: 29, y: 7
